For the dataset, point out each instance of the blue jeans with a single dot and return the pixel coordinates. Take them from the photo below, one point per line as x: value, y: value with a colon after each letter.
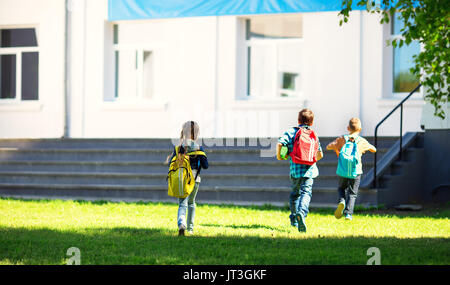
x: 348, y: 191
x: 187, y: 205
x: 300, y: 196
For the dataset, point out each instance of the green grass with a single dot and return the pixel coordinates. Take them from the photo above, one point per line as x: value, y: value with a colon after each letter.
x: 40, y: 232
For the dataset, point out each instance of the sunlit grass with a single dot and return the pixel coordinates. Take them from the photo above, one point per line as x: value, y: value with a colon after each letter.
x: 40, y: 232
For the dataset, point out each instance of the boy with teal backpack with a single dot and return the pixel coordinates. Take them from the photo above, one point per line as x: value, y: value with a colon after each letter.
x: 349, y: 149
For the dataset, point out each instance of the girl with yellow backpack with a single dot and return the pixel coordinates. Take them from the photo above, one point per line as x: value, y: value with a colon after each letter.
x: 183, y: 178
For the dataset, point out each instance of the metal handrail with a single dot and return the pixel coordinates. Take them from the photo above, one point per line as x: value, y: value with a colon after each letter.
x: 400, y: 105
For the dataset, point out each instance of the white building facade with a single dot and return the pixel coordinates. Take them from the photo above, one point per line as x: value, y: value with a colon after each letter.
x: 68, y: 70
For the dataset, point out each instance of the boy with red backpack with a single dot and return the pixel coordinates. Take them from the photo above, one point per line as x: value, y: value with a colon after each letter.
x: 303, y: 147
x: 349, y: 149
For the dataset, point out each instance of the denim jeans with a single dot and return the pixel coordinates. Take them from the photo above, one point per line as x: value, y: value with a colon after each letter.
x: 187, y: 205
x: 348, y: 191
x: 300, y: 196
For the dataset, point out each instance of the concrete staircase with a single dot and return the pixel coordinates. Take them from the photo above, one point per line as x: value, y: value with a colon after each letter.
x: 134, y: 170
x: 401, y: 181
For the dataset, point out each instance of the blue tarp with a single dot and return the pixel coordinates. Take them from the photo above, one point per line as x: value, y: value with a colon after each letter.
x: 155, y: 9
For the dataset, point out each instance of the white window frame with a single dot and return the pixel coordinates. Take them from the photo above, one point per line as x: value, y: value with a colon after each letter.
x: 139, y: 49
x: 273, y: 43
x: 390, y: 64
x: 17, y: 51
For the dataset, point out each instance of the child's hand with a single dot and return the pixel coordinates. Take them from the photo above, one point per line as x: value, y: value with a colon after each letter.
x: 279, y: 148
x: 284, y: 152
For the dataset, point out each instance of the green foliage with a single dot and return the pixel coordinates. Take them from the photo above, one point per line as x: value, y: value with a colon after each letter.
x: 426, y: 21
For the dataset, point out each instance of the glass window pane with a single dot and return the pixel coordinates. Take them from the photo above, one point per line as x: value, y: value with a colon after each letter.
x: 288, y: 81
x: 263, y: 70
x: 30, y: 75
x: 18, y: 38
x: 274, y: 27
x: 126, y: 75
x: 404, y: 80
x: 148, y: 67
x: 7, y: 76
x: 397, y: 24
x: 116, y: 34
x: 116, y: 74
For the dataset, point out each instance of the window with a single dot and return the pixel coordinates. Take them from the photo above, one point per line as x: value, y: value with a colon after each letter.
x: 273, y: 46
x: 19, y: 65
x: 134, y: 70
x: 403, y: 80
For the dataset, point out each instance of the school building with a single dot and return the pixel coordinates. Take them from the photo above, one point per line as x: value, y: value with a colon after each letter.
x: 138, y: 69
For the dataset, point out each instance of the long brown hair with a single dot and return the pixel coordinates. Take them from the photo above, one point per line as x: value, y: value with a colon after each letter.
x: 189, y: 131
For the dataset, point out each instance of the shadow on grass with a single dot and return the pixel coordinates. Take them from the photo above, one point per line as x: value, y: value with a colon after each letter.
x: 248, y: 227
x: 158, y: 246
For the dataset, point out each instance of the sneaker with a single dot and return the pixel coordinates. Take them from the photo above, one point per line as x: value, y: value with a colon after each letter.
x: 181, y: 230
x: 301, y: 223
x: 293, y: 221
x: 348, y: 217
x: 339, y: 210
x: 190, y: 232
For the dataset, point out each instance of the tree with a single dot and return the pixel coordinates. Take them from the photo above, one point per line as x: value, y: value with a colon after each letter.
x: 425, y: 21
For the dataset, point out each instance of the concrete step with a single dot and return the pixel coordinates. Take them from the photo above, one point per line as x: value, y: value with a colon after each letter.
x: 216, y: 167
x: 240, y: 171
x: 156, y: 155
x: 208, y: 179
x: 234, y: 195
x: 142, y: 143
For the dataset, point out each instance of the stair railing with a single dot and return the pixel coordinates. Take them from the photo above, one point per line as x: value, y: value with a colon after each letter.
x: 400, y: 105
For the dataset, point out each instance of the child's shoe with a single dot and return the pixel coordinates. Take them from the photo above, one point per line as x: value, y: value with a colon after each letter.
x: 339, y: 210
x: 293, y: 221
x: 301, y: 223
x: 348, y: 217
x: 181, y: 230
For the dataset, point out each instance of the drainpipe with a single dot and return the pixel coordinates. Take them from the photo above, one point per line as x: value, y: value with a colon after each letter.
x: 216, y: 81
x: 361, y: 96
x: 66, y: 71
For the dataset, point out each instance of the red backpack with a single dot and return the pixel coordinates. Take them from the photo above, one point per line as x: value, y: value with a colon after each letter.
x: 305, y: 147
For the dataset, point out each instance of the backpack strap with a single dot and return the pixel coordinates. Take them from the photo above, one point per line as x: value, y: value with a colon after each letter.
x: 196, y: 152
x: 355, y: 141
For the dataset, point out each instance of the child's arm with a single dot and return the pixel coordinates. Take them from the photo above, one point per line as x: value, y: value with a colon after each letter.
x: 279, y: 145
x: 371, y: 148
x: 203, y: 160
x: 319, y: 154
x: 366, y: 146
x: 334, y: 145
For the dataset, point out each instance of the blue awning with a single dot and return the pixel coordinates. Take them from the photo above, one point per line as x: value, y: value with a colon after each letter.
x: 156, y: 9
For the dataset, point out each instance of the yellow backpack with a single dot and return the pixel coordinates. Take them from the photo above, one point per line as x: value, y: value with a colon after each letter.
x: 180, y: 178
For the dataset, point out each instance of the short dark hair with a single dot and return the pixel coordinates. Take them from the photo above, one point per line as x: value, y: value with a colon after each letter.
x: 306, y: 116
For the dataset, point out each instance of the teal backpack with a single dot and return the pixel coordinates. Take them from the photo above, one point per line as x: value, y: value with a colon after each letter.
x: 348, y: 159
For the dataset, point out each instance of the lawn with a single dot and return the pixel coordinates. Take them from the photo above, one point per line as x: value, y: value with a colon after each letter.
x: 40, y: 232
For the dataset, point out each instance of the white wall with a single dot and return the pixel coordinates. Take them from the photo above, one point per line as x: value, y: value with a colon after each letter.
x: 43, y: 118
x: 184, y: 51
x: 199, y: 74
